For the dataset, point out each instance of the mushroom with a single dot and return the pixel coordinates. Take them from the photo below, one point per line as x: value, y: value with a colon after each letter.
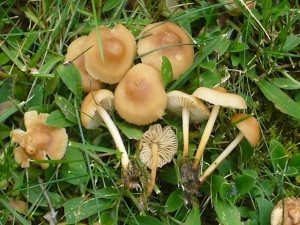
x: 219, y: 97
x: 249, y: 128
x: 157, y: 148
x: 119, y: 49
x: 38, y: 141
x: 94, y: 109
x: 169, y: 39
x: 286, y: 212
x: 190, y: 108
x: 234, y: 10
x: 140, y: 97
x: 75, y: 55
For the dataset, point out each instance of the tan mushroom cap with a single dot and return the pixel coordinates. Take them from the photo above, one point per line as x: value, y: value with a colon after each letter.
x: 178, y: 100
x: 169, y: 39
x: 140, y: 97
x: 90, y: 119
x: 119, y: 49
x: 248, y: 127
x: 39, y: 140
x: 166, y: 140
x: 287, y: 213
x: 219, y: 96
x: 75, y: 54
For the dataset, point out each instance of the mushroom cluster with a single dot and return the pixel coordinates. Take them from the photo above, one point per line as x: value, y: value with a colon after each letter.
x: 39, y: 141
x: 139, y: 96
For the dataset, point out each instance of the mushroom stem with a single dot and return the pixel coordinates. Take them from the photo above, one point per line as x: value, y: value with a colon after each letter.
x: 221, y: 157
x: 206, y: 133
x: 185, y: 128
x: 115, y: 135
x: 154, y: 149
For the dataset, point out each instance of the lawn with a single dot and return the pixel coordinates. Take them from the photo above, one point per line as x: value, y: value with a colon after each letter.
x: 102, y: 176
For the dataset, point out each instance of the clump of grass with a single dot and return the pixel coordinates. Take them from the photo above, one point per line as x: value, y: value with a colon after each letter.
x: 254, y: 55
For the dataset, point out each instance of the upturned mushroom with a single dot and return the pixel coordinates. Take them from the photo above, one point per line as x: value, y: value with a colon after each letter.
x: 219, y: 97
x: 169, y: 39
x: 75, y: 54
x: 119, y: 49
x: 94, y: 109
x: 286, y: 212
x: 39, y: 141
x: 191, y: 109
x: 248, y: 127
x: 157, y: 148
x: 140, y: 97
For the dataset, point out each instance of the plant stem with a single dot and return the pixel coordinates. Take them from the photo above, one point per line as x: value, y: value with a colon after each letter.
x: 206, y: 134
x: 154, y: 149
x: 185, y: 128
x: 221, y: 157
x: 116, y: 136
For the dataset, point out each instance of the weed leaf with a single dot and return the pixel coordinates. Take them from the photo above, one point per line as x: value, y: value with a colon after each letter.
x: 281, y: 100
x: 71, y: 78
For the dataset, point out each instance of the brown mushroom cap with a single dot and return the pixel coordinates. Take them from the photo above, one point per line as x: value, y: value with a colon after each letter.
x: 119, y: 49
x: 166, y: 140
x: 75, y: 54
x: 219, y: 96
x: 140, y: 97
x: 286, y: 212
x: 248, y: 127
x: 167, y: 39
x: 39, y: 140
x: 90, y: 119
x: 178, y: 100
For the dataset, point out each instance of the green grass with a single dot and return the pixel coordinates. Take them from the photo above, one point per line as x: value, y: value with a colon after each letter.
x: 255, y: 55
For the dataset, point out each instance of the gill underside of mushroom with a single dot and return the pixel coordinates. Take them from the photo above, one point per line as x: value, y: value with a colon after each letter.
x: 116, y: 137
x: 154, y: 150
x: 206, y: 134
x: 221, y: 157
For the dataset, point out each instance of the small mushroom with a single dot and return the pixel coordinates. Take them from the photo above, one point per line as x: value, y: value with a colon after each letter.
x: 249, y: 128
x: 286, y: 212
x: 75, y: 55
x: 234, y: 10
x: 219, y: 97
x: 169, y: 39
x: 94, y: 109
x: 38, y: 141
x: 191, y: 109
x: 119, y: 49
x: 157, y: 148
x: 140, y: 97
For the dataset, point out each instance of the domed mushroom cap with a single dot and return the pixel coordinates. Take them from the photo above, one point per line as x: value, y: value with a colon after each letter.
x: 140, y: 97
x: 286, y: 212
x: 119, y: 49
x: 177, y: 100
x: 166, y: 141
x: 167, y: 39
x: 75, y: 54
x: 39, y: 140
x: 219, y: 96
x: 90, y: 118
x: 248, y: 126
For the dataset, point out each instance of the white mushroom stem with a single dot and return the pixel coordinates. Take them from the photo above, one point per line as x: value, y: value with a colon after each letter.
x: 185, y: 128
x: 154, y: 150
x: 221, y: 157
x: 115, y: 135
x: 206, y: 134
